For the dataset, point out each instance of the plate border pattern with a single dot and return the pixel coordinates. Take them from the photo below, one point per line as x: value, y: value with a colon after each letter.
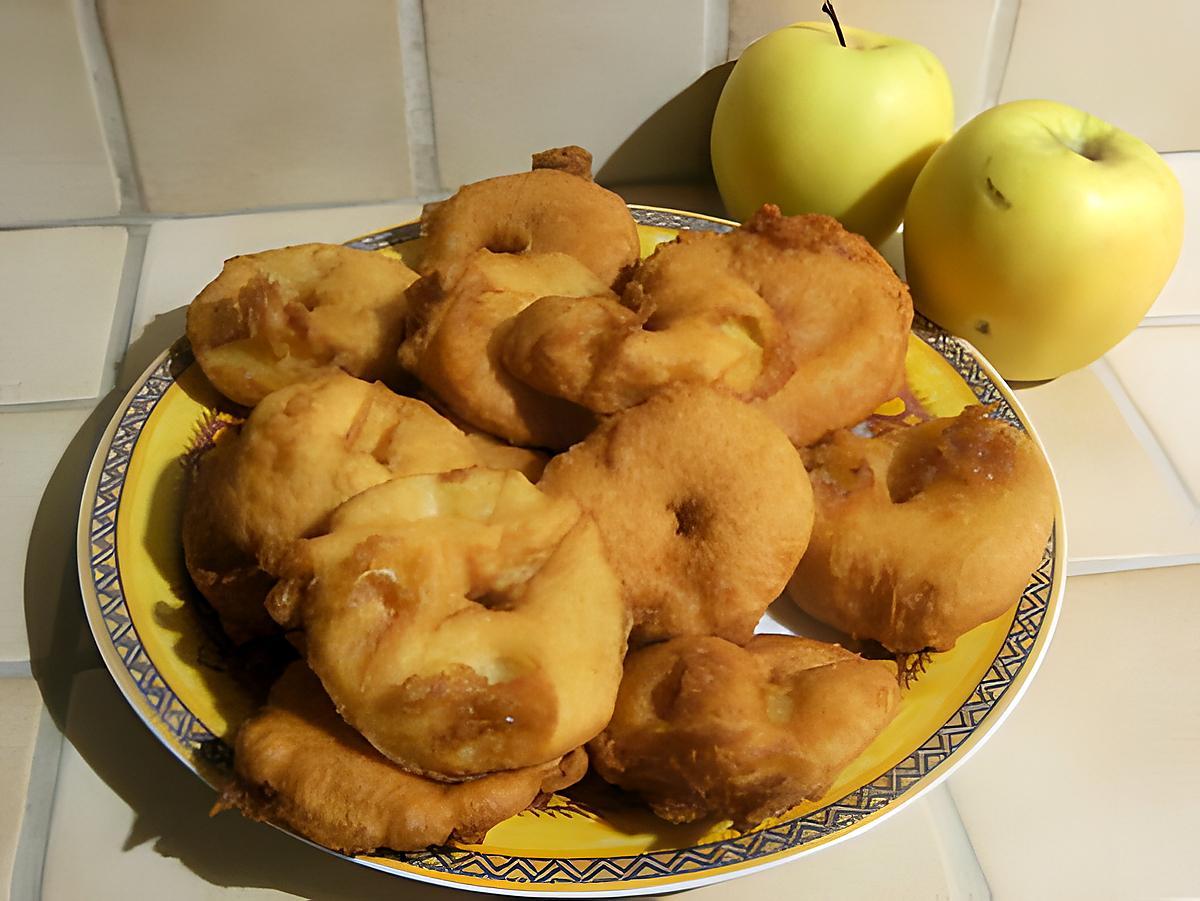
x: 179, y: 728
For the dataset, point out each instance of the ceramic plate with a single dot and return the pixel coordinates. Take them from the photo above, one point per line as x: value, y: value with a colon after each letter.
x: 185, y: 684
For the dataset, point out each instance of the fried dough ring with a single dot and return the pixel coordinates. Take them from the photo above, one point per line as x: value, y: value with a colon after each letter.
x: 274, y: 318
x: 703, y: 727
x: 462, y: 622
x: 456, y: 336
x: 922, y: 534
x: 703, y: 505
x: 556, y: 208
x: 794, y: 314
x: 299, y: 765
x: 304, y: 450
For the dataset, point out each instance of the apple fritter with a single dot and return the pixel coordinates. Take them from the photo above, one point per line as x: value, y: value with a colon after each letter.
x: 274, y: 318
x: 922, y: 534
x: 463, y: 622
x: 299, y: 765
x: 703, y: 727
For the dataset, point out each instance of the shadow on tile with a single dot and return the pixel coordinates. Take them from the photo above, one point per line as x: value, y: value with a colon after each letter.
x: 672, y: 144
x: 171, y: 813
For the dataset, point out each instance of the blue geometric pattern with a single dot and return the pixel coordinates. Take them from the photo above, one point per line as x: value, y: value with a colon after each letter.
x: 892, y: 786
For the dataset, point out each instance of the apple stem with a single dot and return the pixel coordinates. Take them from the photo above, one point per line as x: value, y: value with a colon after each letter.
x: 827, y: 8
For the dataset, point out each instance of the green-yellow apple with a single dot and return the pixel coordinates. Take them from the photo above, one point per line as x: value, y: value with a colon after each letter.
x: 815, y: 127
x: 1042, y: 235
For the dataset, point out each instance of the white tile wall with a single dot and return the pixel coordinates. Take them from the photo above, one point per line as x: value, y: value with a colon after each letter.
x: 235, y: 105
x: 512, y: 79
x: 1159, y: 367
x: 60, y: 295
x: 31, y: 445
x: 20, y: 713
x: 1090, y: 790
x: 1131, y: 64
x: 1088, y: 438
x: 54, y: 162
x: 1181, y: 295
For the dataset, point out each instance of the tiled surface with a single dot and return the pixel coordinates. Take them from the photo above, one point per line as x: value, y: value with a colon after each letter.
x: 20, y: 713
x: 958, y: 33
x: 53, y: 160
x: 58, y: 302
x: 512, y: 79
x: 1130, y: 65
x: 233, y: 105
x: 1120, y: 507
x: 1090, y: 789
x: 126, y: 813
x: 1160, y: 368
x: 1181, y: 295
x: 31, y: 446
x: 184, y: 255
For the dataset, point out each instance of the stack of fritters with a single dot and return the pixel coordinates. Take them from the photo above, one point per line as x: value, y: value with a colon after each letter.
x: 465, y: 630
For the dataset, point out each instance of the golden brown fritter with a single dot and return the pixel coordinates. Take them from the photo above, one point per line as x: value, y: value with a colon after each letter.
x: 846, y: 313
x: 706, y: 728
x: 299, y: 765
x: 703, y: 506
x: 456, y: 337
x: 304, y: 450
x: 463, y: 622
x: 556, y: 208
x: 274, y: 318
x: 922, y: 534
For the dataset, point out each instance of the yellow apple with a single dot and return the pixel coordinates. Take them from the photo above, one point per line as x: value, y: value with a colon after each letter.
x: 815, y: 127
x: 1042, y: 235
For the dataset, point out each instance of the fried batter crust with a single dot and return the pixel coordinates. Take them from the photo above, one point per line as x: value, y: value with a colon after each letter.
x: 922, y: 534
x: 556, y: 208
x: 274, y: 318
x: 456, y: 338
x: 304, y: 450
x: 299, y: 765
x: 462, y: 622
x: 703, y: 727
x: 703, y: 505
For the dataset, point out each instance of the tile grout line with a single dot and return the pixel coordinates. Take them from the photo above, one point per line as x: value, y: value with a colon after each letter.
x: 716, y: 32
x: 1002, y: 29
x: 33, y: 841
x: 111, y: 110
x: 1098, y: 566
x: 951, y: 811
x: 127, y: 293
x: 1142, y: 429
x: 418, y: 98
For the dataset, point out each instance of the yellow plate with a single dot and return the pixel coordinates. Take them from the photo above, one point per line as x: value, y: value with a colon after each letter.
x: 146, y: 623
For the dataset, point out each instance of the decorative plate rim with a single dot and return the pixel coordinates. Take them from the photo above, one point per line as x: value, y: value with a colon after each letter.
x: 926, y: 766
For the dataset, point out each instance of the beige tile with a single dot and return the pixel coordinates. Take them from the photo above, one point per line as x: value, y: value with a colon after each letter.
x: 184, y: 255
x: 1090, y: 789
x: 1160, y: 368
x: 919, y: 853
x: 511, y: 79
x: 1121, y: 508
x: 1181, y: 295
x: 20, y: 715
x: 53, y: 160
x: 233, y: 105
x: 127, y: 813
x: 31, y: 446
x: 958, y: 33
x: 1130, y: 65
x: 58, y: 302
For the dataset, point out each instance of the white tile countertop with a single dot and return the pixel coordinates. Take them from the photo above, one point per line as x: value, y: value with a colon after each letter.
x: 1089, y: 790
